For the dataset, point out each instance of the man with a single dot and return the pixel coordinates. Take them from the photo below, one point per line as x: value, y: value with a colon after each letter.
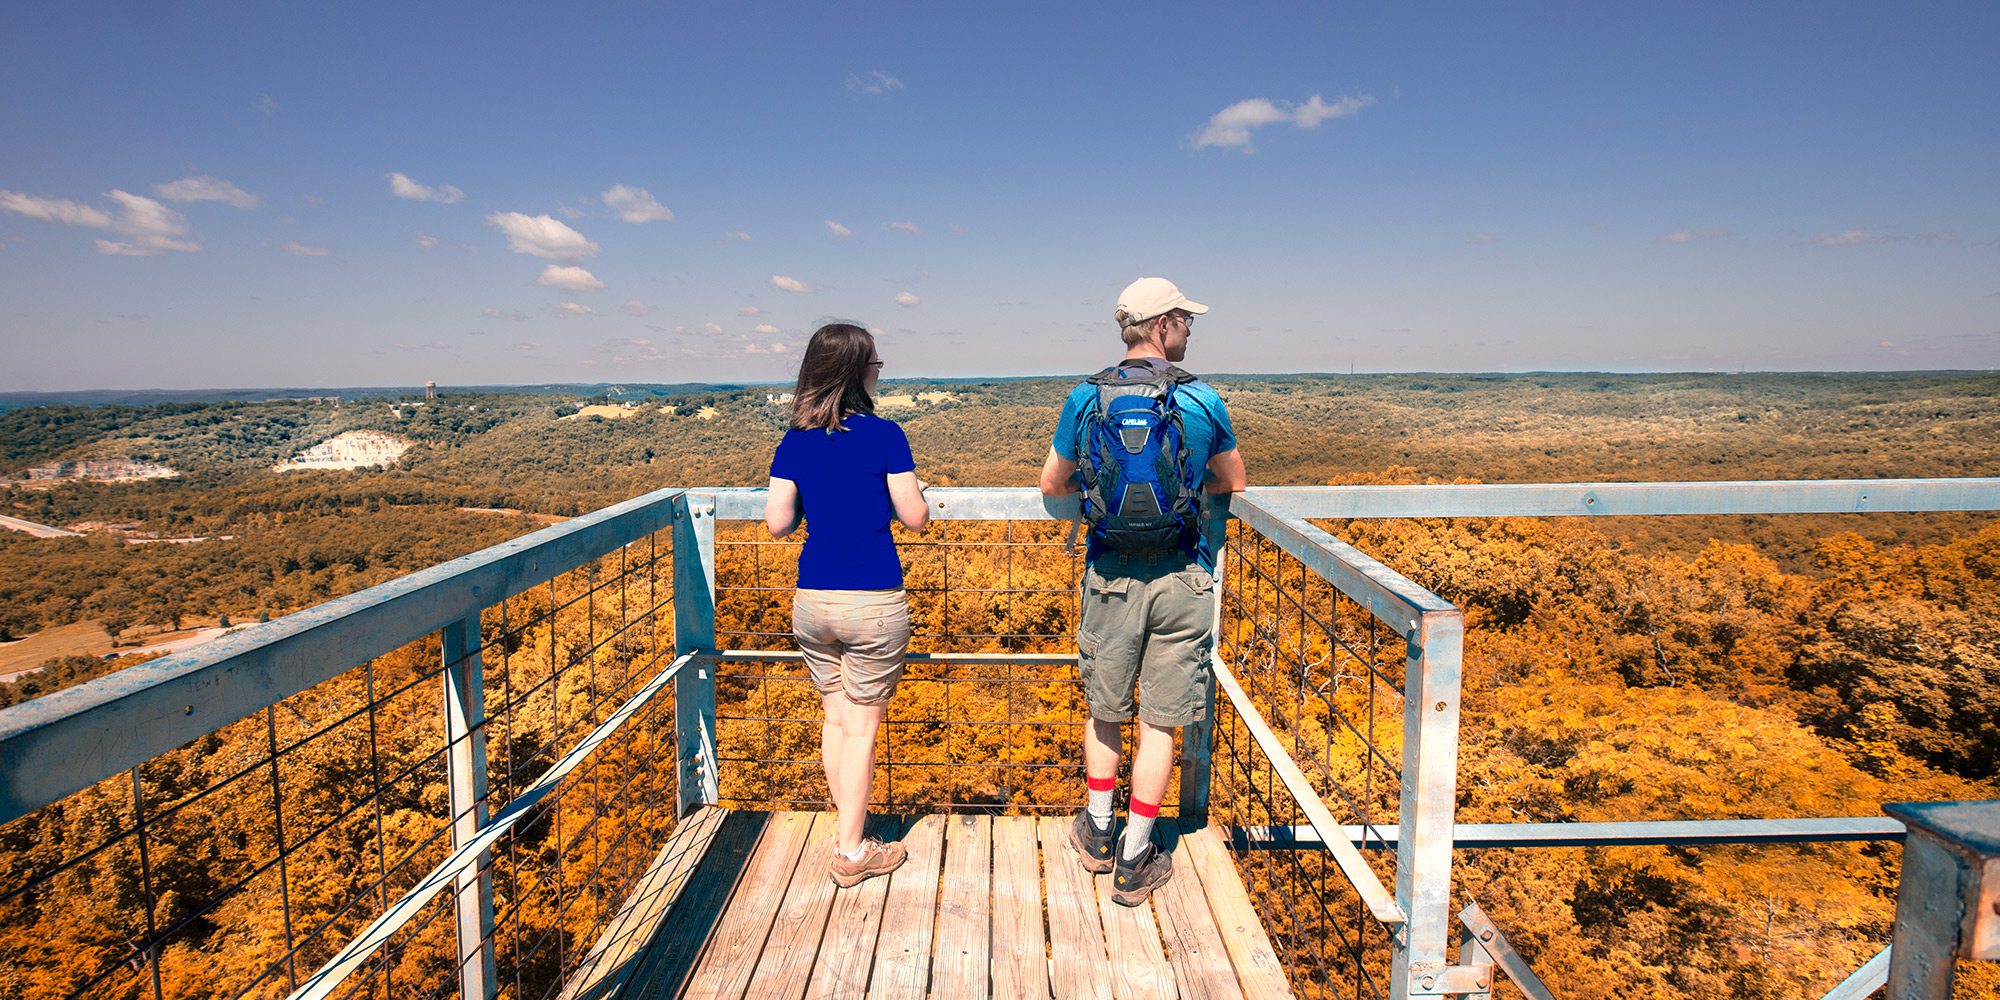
x: 1147, y: 615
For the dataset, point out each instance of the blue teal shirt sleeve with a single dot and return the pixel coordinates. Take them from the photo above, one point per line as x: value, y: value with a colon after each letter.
x: 1225, y: 435
x: 1066, y: 425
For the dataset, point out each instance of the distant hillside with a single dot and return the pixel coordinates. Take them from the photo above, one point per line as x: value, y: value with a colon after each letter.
x: 147, y: 397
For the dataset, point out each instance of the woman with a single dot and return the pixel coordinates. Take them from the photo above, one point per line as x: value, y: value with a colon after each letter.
x: 847, y: 472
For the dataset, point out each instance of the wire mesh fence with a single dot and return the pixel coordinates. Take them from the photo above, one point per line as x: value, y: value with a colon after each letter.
x: 1326, y: 676
x: 961, y: 734
x: 238, y: 864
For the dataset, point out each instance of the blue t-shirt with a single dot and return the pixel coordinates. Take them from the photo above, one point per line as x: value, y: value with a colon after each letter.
x: 844, y: 488
x: 1204, y: 426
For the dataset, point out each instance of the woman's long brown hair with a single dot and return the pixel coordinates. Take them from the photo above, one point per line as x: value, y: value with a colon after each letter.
x: 833, y: 377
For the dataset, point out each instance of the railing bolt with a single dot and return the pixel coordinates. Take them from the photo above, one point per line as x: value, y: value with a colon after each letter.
x: 1486, y: 935
x: 1439, y: 706
x: 1430, y: 982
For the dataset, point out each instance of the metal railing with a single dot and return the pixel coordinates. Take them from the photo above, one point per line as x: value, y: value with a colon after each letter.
x: 619, y: 717
x: 461, y: 770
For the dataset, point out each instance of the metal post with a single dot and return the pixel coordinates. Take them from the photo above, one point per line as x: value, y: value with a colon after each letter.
x: 1948, y: 900
x: 465, y: 763
x: 694, y: 629
x: 1430, y: 779
x: 1198, y: 738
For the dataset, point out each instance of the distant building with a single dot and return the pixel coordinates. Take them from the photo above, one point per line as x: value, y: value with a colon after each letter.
x: 431, y: 389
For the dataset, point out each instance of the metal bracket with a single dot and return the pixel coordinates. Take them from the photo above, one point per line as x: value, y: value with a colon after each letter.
x: 1451, y: 981
x: 1494, y: 943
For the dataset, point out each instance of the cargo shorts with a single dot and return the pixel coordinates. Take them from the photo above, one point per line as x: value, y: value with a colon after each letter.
x: 853, y: 640
x: 1147, y: 621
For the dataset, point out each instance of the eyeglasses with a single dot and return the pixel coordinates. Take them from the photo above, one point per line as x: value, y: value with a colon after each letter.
x: 1187, y: 319
x: 874, y: 364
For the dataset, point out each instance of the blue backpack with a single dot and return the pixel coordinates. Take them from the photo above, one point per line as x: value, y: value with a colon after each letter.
x: 1141, y: 489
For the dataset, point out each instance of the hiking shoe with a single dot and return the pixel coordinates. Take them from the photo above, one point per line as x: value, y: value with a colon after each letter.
x: 877, y: 858
x: 1136, y: 879
x: 1093, y: 846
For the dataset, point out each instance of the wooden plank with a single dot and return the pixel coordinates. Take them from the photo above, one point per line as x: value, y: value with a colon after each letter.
x: 682, y: 936
x: 960, y: 960
x: 1020, y: 952
x: 1077, y: 966
x: 725, y: 968
x: 847, y: 952
x: 903, y: 948
x: 609, y: 967
x: 1139, y: 966
x: 1257, y: 966
x: 1194, y: 945
x: 787, y: 963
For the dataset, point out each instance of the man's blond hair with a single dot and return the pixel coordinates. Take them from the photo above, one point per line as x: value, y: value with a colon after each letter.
x: 1134, y: 332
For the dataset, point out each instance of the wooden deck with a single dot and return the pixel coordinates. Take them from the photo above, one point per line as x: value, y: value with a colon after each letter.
x: 739, y: 904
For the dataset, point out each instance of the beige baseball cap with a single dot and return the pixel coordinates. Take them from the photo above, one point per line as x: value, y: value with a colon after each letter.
x: 1149, y: 297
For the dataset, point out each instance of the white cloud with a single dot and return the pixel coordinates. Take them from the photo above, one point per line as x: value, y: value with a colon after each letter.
x: 1482, y: 239
x: 763, y: 349
x: 265, y: 104
x: 634, y: 307
x: 749, y: 311
x: 569, y: 279
x: 785, y: 284
x: 874, y: 83
x: 149, y: 227
x: 838, y: 231
x: 636, y: 205
x: 710, y: 328
x: 495, y: 312
x: 1694, y: 235
x: 542, y: 236
x: 766, y: 329
x: 906, y: 299
x: 572, y: 309
x: 297, y: 249
x: 402, y: 186
x: 426, y: 241
x: 205, y: 188
x: 901, y: 226
x: 1231, y: 127
x: 1850, y: 238
x: 1861, y: 237
x: 58, y: 210
x: 736, y: 236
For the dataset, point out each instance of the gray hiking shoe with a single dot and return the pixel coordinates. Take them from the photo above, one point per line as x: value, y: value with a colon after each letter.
x: 877, y: 858
x: 1093, y: 846
x: 1136, y: 879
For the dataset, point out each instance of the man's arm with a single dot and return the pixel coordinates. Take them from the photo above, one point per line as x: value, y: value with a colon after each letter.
x: 1225, y: 473
x: 1058, y: 475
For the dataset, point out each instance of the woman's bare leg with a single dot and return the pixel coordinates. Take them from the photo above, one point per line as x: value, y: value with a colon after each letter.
x: 847, y: 750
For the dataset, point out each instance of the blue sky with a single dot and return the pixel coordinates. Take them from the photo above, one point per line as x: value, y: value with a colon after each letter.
x: 250, y: 194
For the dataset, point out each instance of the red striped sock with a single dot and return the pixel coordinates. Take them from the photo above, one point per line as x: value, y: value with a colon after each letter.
x: 1138, y: 828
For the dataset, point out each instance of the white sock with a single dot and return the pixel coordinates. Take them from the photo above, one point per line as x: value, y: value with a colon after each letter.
x: 1138, y: 831
x: 854, y: 855
x: 1100, y: 808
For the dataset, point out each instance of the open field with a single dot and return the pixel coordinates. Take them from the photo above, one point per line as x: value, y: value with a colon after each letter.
x: 75, y: 639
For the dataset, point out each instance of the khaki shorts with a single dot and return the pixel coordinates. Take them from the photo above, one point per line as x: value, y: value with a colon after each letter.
x: 853, y: 640
x: 1150, y: 621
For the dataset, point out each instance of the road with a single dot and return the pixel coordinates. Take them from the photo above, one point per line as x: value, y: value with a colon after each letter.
x: 37, y: 530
